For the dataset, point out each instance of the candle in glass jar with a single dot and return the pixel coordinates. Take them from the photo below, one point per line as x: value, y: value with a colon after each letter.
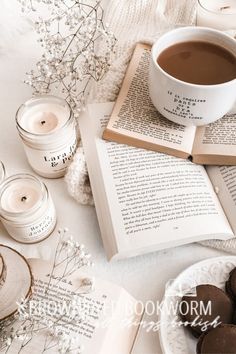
x: 218, y: 14
x: 26, y: 208
x: 47, y: 128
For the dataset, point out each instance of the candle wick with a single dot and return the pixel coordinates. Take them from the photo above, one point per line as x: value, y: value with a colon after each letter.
x: 43, y: 122
x: 224, y: 8
x: 23, y: 199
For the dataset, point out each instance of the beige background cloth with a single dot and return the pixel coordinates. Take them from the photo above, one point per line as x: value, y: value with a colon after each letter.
x: 132, y: 21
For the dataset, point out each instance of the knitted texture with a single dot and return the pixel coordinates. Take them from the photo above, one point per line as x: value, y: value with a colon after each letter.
x: 226, y: 246
x: 77, y: 179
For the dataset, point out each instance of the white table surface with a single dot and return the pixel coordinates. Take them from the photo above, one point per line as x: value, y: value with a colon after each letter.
x: 145, y: 276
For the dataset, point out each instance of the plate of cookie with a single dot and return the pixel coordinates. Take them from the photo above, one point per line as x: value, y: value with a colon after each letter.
x: 198, y: 312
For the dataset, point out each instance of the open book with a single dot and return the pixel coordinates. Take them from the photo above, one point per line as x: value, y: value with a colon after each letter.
x: 105, y: 321
x: 146, y: 200
x: 135, y: 121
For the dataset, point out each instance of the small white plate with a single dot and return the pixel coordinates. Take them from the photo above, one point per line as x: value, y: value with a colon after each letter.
x: 215, y: 271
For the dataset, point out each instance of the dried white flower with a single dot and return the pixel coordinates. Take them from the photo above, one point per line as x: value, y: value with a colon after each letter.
x: 70, y: 35
x: 70, y: 256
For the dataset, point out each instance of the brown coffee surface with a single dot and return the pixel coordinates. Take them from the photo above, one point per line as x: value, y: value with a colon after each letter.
x: 198, y: 62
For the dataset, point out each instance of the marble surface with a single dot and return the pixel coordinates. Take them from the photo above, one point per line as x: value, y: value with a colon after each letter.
x: 145, y: 276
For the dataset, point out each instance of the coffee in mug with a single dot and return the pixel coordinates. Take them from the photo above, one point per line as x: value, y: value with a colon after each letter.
x: 192, y: 78
x: 198, y: 62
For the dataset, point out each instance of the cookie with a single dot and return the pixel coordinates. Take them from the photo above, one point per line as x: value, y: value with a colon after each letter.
x: 230, y: 285
x: 218, y: 341
x: 207, y: 308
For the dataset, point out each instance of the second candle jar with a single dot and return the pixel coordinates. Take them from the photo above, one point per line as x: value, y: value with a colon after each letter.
x: 26, y: 208
x: 47, y: 127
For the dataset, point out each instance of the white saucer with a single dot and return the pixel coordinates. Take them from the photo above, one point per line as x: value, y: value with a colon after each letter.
x: 215, y: 271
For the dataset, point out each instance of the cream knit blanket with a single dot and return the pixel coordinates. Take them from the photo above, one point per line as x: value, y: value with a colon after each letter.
x: 132, y: 21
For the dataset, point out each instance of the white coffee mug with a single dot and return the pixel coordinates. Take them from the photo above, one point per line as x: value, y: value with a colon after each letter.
x: 185, y: 103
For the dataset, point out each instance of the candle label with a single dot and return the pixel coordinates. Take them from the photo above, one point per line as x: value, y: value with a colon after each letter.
x: 54, y: 162
x: 61, y: 158
x: 43, y: 227
x: 35, y: 231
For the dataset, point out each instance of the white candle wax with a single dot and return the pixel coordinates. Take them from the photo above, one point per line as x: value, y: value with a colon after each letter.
x: 44, y: 118
x: 20, y: 196
x: 218, y: 14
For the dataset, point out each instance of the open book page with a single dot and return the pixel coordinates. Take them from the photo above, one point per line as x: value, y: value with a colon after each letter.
x: 215, y: 144
x: 224, y: 180
x: 135, y: 121
x: 150, y: 200
x: 104, y: 321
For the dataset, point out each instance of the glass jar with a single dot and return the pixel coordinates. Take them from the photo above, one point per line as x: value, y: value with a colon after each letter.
x: 47, y: 128
x: 2, y: 172
x: 219, y: 14
x: 26, y: 208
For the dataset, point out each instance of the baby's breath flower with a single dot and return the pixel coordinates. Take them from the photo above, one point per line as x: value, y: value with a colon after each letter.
x: 70, y: 257
x: 69, y: 36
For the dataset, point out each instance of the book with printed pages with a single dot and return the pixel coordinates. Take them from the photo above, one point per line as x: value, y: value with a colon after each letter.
x: 103, y: 321
x: 146, y: 201
x: 135, y: 121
